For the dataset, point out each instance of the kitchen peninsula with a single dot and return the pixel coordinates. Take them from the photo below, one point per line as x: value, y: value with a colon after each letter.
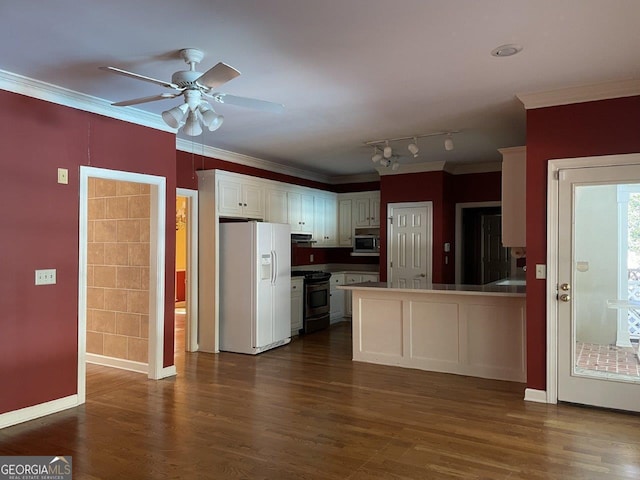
x: 462, y: 329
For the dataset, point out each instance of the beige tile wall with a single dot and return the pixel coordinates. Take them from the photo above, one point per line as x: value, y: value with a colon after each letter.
x: 118, y: 269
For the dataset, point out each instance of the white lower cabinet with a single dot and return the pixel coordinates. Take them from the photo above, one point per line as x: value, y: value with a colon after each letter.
x: 351, y: 278
x: 297, y: 304
x: 336, y: 304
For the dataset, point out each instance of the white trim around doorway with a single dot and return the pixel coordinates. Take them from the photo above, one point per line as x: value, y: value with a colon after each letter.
x: 155, y: 368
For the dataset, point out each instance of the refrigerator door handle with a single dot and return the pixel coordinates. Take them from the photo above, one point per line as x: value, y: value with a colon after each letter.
x: 274, y: 266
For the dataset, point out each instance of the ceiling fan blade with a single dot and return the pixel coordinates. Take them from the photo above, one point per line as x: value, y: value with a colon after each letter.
x: 217, y: 75
x: 153, y: 98
x: 140, y: 77
x: 253, y: 103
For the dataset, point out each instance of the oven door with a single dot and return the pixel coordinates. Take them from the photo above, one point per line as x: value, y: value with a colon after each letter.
x: 316, y: 299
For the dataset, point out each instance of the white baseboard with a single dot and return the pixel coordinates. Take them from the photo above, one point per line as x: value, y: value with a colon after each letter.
x: 168, y: 372
x: 37, y: 411
x: 532, y: 395
x: 117, y: 363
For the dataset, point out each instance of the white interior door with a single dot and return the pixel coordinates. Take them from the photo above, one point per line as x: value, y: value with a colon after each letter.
x: 598, y: 249
x: 410, y: 243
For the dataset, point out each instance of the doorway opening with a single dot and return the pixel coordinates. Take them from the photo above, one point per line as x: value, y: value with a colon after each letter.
x: 186, y: 272
x: 121, y: 272
x: 480, y: 256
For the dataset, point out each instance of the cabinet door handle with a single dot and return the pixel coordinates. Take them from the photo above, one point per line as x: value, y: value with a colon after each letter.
x: 245, y: 204
x: 240, y: 204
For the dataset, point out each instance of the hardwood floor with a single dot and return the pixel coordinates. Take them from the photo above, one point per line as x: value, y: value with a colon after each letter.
x: 306, y: 411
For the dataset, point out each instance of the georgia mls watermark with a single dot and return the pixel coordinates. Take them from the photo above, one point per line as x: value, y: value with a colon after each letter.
x: 35, y: 468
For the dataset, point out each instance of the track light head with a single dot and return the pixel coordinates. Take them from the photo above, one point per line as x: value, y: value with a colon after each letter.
x: 387, y: 152
x: 448, y: 143
x: 413, y: 147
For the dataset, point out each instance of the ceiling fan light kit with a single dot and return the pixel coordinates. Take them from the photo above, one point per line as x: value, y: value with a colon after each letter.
x: 193, y: 85
x: 176, y: 116
x: 389, y: 159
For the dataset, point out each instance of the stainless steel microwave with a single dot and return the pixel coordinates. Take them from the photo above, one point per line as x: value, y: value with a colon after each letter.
x: 366, y: 244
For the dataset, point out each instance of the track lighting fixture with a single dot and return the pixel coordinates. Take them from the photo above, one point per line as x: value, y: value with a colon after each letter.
x: 387, y: 152
x: 448, y: 143
x: 389, y: 159
x: 413, y: 147
x: 377, y: 156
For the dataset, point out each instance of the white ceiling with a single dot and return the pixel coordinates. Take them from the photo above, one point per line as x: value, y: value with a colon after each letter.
x: 348, y: 71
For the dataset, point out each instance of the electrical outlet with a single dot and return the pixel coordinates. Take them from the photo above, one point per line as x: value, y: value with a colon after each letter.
x: 63, y: 176
x: 46, y: 277
x: 311, y: 257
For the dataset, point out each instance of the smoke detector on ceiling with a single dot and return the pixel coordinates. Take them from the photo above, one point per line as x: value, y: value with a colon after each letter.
x: 506, y: 50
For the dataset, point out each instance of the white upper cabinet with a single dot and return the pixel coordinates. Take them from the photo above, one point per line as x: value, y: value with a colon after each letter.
x: 239, y: 198
x: 366, y: 210
x: 514, y: 201
x: 300, y: 208
x: 327, y: 216
x: 276, y: 206
x: 325, y: 220
x: 345, y: 224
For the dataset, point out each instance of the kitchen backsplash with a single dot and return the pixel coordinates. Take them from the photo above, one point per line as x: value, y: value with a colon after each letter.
x: 302, y: 256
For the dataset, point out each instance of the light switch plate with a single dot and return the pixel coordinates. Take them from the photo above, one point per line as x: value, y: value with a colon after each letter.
x: 541, y: 271
x: 63, y: 176
x: 46, y: 277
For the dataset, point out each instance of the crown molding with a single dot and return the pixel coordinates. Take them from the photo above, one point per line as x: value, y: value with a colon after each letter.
x: 467, y: 168
x: 579, y: 94
x: 15, y: 83
x: 360, y: 178
x: 213, y: 152
x: 412, y: 168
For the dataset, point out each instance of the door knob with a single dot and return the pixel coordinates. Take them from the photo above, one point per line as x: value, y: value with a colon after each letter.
x: 565, y: 297
x: 423, y: 275
x: 565, y: 287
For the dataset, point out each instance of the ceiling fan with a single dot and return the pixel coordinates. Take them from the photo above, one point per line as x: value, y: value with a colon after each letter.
x: 195, y: 87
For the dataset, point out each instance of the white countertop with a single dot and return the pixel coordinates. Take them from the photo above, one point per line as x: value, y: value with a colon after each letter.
x: 489, y: 290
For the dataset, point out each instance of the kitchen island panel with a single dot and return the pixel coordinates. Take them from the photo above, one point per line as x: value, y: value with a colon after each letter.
x: 380, y: 334
x: 480, y: 335
x: 434, y: 332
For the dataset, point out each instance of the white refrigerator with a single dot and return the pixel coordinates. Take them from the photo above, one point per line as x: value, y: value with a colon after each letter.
x: 255, y: 286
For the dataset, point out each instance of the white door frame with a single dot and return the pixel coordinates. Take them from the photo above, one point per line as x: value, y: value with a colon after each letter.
x: 458, y: 238
x: 191, y: 330
x: 554, y: 166
x: 157, y: 246
x: 429, y: 257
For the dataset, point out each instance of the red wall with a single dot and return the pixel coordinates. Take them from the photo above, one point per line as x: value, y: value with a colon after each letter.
x: 477, y: 187
x: 38, y: 337
x: 587, y: 129
x: 416, y: 187
x: 444, y: 190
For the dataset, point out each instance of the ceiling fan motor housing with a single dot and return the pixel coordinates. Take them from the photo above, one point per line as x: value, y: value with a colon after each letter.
x: 186, y: 78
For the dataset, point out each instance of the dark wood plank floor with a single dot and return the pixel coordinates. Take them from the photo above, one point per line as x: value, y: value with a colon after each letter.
x: 306, y: 411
